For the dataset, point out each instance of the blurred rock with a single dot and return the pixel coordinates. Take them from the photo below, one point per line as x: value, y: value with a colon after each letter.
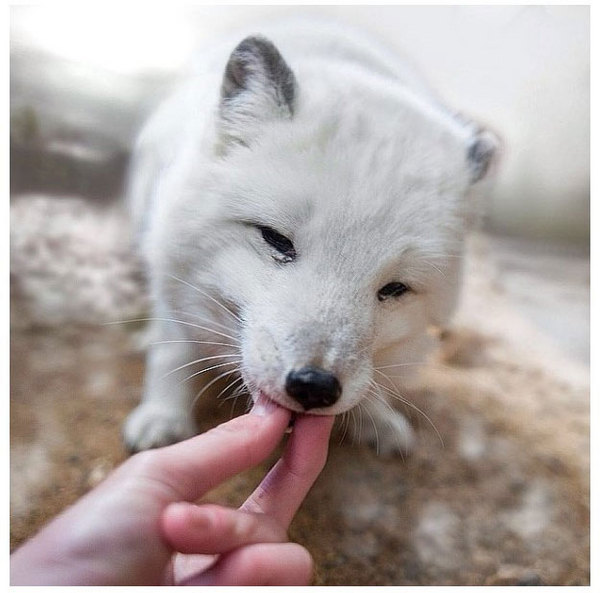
x: 510, y: 575
x: 72, y: 262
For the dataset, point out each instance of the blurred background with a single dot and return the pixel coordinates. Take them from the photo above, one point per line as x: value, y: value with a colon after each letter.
x: 82, y: 79
x: 509, y: 391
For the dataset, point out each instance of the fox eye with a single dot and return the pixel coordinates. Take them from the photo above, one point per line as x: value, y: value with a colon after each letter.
x: 392, y: 290
x: 280, y: 243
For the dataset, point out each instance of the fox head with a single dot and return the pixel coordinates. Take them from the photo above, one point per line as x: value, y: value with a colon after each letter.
x: 329, y: 215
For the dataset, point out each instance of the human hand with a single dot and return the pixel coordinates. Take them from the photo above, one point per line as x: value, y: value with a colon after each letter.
x: 140, y: 526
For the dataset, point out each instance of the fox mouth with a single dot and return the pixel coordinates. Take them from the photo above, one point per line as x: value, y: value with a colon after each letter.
x: 292, y: 406
x: 280, y: 400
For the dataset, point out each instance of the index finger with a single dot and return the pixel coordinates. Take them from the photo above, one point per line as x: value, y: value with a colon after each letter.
x: 284, y: 488
x: 193, y: 467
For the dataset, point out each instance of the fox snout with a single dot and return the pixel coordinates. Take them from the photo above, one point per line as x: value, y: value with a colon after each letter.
x: 313, y: 387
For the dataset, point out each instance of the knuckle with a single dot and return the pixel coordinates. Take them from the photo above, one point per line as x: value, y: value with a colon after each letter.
x: 256, y: 527
x: 246, y: 528
x: 249, y: 527
x: 222, y: 522
x: 145, y: 462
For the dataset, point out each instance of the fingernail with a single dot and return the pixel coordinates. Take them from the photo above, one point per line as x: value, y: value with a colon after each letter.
x: 263, y: 406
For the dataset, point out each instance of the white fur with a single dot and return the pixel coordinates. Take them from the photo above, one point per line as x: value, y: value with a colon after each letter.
x: 367, y: 178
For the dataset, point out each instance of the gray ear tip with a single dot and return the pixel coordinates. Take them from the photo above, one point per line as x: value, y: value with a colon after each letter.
x: 251, y: 49
x: 254, y: 44
x: 480, y: 154
x: 256, y: 61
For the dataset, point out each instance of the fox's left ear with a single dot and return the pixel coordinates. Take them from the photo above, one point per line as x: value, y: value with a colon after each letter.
x: 480, y: 154
x: 258, y: 86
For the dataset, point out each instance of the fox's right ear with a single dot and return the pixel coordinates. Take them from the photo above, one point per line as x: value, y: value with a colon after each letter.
x: 258, y: 86
x: 481, y: 153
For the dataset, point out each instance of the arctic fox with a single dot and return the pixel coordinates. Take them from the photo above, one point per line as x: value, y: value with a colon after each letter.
x: 302, y: 206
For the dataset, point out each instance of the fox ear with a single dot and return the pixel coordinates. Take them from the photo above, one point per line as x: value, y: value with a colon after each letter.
x: 480, y: 154
x: 258, y: 86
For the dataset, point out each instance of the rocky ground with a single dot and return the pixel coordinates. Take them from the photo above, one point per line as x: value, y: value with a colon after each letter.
x: 496, y: 493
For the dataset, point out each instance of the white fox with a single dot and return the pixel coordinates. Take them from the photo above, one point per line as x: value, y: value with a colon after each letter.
x: 302, y: 205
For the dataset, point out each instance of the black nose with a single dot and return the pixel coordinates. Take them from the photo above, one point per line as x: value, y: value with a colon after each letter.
x: 313, y: 387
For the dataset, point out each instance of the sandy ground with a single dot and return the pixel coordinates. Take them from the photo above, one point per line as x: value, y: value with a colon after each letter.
x: 499, y: 496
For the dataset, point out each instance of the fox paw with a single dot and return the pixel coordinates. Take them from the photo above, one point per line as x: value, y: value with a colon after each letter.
x: 389, y: 436
x: 150, y: 426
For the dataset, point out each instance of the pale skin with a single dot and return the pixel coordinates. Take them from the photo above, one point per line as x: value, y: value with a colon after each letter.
x: 141, y: 525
